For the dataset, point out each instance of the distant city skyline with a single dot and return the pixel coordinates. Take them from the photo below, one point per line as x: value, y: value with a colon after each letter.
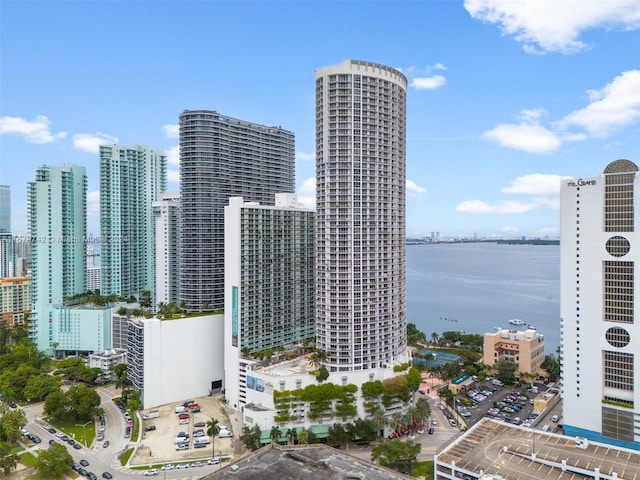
x: 503, y: 103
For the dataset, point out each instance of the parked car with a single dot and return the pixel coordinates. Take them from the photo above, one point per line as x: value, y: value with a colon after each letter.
x: 199, y: 424
x: 105, y: 444
x: 77, y: 446
x: 213, y: 461
x: 150, y: 472
x: 84, y: 463
x: 182, y: 465
x: 149, y: 428
x: 106, y: 475
x: 225, y: 434
x: 555, y: 418
x: 431, y: 430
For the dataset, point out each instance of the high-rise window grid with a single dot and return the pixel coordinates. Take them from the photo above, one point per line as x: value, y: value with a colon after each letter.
x: 618, y: 291
x: 618, y: 370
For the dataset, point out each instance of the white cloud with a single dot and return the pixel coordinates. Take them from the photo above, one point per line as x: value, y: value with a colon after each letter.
x: 428, y: 83
x: 306, y: 193
x: 554, y: 25
x: 535, y: 184
x: 36, y: 131
x: 305, y: 156
x: 171, y: 131
x: 524, y: 136
x: 173, y: 176
x: 548, y: 231
x: 478, y: 206
x: 508, y: 229
x: 613, y: 107
x: 93, y: 204
x: 91, y: 143
x: 173, y: 155
x: 413, y: 189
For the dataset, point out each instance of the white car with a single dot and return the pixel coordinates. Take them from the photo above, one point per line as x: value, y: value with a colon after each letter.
x: 168, y: 466
x: 225, y: 434
x: 197, y: 464
x: 213, y: 461
x: 183, y: 465
x: 150, y: 472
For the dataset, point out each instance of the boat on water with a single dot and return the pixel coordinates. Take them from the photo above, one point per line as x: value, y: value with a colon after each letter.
x: 531, y: 327
x: 516, y: 321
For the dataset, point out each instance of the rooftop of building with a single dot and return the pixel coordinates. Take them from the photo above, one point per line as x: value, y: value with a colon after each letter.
x: 515, y: 335
x: 513, y: 452
x: 304, y: 462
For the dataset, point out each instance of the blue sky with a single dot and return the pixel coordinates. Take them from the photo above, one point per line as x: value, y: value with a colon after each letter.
x: 506, y: 97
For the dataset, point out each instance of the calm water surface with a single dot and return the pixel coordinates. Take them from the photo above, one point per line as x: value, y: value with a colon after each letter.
x: 478, y: 286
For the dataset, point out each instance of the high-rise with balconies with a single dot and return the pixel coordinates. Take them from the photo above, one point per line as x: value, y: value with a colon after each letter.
x: 130, y: 180
x: 600, y: 336
x: 58, y: 226
x: 222, y: 157
x: 360, y: 215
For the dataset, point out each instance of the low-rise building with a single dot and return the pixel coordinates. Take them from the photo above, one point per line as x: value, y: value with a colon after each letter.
x: 106, y: 360
x: 526, y: 348
x: 15, y: 300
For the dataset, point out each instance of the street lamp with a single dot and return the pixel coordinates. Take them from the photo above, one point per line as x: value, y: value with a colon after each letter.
x: 84, y: 431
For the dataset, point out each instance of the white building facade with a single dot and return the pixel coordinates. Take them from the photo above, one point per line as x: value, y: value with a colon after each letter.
x: 360, y: 215
x: 170, y: 360
x: 600, y: 337
x: 166, y: 214
x: 269, y: 282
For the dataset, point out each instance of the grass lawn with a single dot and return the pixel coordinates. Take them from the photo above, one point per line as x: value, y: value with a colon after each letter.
x: 28, y: 459
x: 126, y: 456
x: 76, y: 430
x: 423, y: 469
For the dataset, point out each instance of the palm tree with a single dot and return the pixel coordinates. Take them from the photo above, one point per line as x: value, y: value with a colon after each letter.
x: 319, y: 357
x: 434, y: 337
x: 423, y: 410
x: 292, y: 436
x: 380, y: 418
x: 212, y: 430
x: 397, y: 421
x: 275, y: 434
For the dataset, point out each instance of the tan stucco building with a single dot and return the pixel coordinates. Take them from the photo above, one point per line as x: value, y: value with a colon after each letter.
x: 526, y: 348
x: 15, y: 300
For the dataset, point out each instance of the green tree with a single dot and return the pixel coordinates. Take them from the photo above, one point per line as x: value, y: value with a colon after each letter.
x: 55, y: 406
x: 435, y: 338
x: 414, y: 336
x: 54, y: 462
x: 83, y: 400
x: 39, y: 386
x: 365, y: 430
x: 396, y: 454
x: 414, y: 379
x: 319, y: 357
x: 11, y: 422
x: 337, y: 436
x: 274, y: 435
x: 251, y: 437
x: 506, y: 371
x: 213, y: 428
x: 551, y: 365
x: 8, y: 460
x: 423, y: 410
x: 323, y: 374
x: 306, y: 437
x: 120, y: 371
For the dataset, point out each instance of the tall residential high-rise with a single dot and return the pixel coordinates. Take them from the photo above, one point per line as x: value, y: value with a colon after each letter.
x: 166, y: 213
x: 600, y: 336
x: 6, y: 240
x: 270, y: 283
x: 130, y: 180
x: 222, y: 157
x: 93, y: 270
x: 57, y: 226
x: 5, y: 209
x: 360, y: 215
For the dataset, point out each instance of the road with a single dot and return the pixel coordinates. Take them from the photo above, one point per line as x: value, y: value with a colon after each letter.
x: 106, y: 459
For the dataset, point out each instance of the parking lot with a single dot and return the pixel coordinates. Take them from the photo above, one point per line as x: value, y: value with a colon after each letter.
x: 159, y: 442
x: 509, y: 404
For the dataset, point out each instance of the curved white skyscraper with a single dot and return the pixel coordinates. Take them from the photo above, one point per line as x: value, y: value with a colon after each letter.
x: 360, y: 215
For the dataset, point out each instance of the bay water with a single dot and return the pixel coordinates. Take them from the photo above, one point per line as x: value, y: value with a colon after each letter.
x: 478, y: 286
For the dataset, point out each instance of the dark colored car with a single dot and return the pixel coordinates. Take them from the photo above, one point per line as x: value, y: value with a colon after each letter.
x: 430, y: 430
x: 77, y: 446
x: 106, y: 475
x: 13, y: 405
x: 199, y: 424
x: 52, y: 441
x: 92, y: 476
x: 105, y: 444
x: 84, y: 463
x: 150, y: 428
